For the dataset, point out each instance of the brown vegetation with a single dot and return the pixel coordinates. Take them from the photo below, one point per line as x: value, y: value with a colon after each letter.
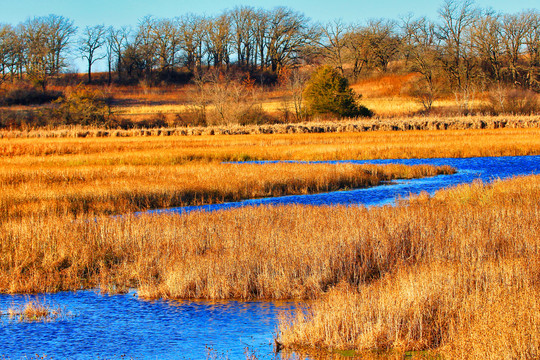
x: 122, y: 189
x: 460, y: 275
x: 160, y: 150
x: 42, y: 249
x: 34, y: 310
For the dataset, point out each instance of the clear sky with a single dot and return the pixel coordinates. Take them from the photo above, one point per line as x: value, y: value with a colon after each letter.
x: 128, y: 12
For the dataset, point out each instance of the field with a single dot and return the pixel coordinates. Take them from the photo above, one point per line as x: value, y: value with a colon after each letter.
x: 57, y: 196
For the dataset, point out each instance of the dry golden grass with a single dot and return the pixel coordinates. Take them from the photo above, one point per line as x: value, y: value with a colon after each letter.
x: 34, y: 310
x: 158, y: 150
x: 399, y: 124
x: 382, y: 86
x: 267, y: 252
x: 120, y: 189
x: 455, y: 273
x: 467, y: 285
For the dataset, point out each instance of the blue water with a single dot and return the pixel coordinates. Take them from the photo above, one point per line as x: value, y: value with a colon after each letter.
x: 123, y: 326
x: 469, y: 169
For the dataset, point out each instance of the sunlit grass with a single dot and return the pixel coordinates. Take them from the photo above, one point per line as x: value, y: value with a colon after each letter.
x: 465, y: 285
x: 159, y: 150
x: 120, y: 189
x: 34, y: 310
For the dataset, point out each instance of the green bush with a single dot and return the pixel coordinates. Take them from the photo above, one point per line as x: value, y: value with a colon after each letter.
x: 83, y: 106
x: 328, y: 93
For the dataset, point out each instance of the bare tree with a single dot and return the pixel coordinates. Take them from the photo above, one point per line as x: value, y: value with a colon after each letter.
x: 218, y: 40
x: 46, y: 40
x: 487, y: 41
x: 334, y: 42
x: 60, y: 32
x: 532, y: 40
x: 358, y: 51
x: 243, y: 28
x: 37, y: 52
x: 145, y: 47
x: 294, y: 81
x: 423, y: 48
x: 192, y: 32
x: 457, y: 17
x: 116, y: 43
x: 260, y: 28
x: 514, y: 30
x: 167, y: 39
x: 92, y: 40
x: 288, y: 33
x: 8, y: 38
x: 383, y: 41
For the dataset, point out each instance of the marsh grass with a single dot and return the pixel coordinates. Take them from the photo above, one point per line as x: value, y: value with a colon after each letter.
x: 122, y: 189
x: 266, y: 252
x: 469, y: 289
x: 418, y: 123
x: 174, y: 150
x: 35, y: 310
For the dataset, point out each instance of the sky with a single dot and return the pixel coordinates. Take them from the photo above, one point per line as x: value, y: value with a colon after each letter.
x: 128, y: 12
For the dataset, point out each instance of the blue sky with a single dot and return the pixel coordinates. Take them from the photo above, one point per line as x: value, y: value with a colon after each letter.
x: 127, y: 12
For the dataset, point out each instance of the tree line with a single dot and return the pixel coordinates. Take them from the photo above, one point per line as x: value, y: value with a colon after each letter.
x: 464, y: 47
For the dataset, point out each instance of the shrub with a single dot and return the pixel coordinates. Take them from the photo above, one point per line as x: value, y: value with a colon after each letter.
x: 24, y: 119
x: 512, y: 101
x: 83, y: 106
x: 328, y: 93
x: 256, y: 116
x: 192, y: 117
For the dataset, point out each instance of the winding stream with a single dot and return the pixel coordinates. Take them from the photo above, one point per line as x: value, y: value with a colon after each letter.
x: 101, y: 326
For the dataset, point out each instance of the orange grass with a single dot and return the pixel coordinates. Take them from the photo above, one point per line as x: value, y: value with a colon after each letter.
x: 425, y: 123
x: 29, y: 191
x: 157, y: 150
x: 466, y: 285
x: 34, y: 310
x: 267, y: 252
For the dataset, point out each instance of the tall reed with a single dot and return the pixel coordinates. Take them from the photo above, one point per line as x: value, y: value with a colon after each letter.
x: 469, y: 290
x: 174, y: 150
x: 268, y: 252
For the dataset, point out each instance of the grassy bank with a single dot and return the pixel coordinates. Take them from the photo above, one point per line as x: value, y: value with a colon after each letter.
x: 268, y: 252
x: 463, y: 281
x: 71, y: 191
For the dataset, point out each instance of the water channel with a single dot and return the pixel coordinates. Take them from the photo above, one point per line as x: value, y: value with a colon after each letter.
x: 123, y: 326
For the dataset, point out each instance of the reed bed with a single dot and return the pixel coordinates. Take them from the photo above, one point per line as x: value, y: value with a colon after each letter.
x: 456, y: 274
x: 97, y: 190
x: 421, y: 123
x: 268, y: 252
